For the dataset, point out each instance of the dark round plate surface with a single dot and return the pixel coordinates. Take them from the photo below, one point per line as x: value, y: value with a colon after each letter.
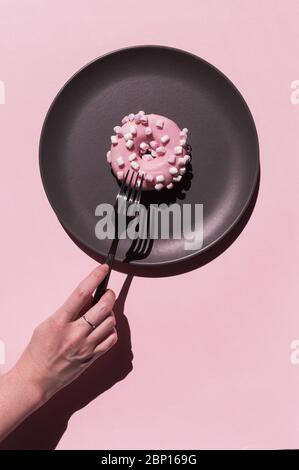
x: 190, y: 91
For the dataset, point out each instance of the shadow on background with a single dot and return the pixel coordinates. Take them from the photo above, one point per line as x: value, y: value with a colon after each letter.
x: 45, y: 427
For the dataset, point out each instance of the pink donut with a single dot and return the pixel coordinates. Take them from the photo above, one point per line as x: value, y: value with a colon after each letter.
x: 152, y: 146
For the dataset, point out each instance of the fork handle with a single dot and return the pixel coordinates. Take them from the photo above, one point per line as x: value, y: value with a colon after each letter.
x: 101, y: 289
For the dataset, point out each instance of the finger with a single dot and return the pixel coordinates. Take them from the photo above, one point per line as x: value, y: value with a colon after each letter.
x: 98, y: 312
x: 86, y: 307
x: 106, y: 344
x: 83, y: 291
x: 103, y: 330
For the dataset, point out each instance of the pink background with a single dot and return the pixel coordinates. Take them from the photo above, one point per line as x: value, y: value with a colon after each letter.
x: 211, y: 348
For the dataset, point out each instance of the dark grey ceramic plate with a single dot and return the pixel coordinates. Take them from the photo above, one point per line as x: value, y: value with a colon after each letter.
x: 166, y: 81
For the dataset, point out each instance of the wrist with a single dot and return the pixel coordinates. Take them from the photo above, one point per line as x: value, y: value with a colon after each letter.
x: 31, y: 383
x: 19, y: 398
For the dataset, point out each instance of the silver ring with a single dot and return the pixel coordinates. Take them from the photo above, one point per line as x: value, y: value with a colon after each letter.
x: 89, y: 322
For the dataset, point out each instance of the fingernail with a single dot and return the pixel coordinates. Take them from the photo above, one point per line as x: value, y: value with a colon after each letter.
x: 102, y: 267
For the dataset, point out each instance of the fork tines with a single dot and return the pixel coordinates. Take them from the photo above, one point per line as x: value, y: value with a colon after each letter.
x: 131, y: 188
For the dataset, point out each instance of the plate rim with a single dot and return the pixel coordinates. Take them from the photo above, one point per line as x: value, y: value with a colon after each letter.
x: 257, y: 153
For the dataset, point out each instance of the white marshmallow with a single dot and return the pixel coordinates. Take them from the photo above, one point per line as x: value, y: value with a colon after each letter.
x: 159, y: 186
x: 184, y: 132
x: 187, y: 158
x: 154, y: 153
x: 141, y: 112
x: 165, y: 139
x: 120, y: 161
x: 128, y: 136
x: 173, y: 170
x: 135, y: 165
x: 148, y: 131
x: 133, y: 129
x: 178, y: 150
x: 171, y: 159
x: 129, y: 144
x: 181, y: 161
x: 177, y: 179
x: 160, y: 179
x: 118, y: 131
x: 183, y: 141
x: 137, y: 118
x: 182, y: 171
x: 120, y: 175
x: 144, y: 146
x: 132, y: 157
x: 143, y: 119
x: 161, y: 151
x: 147, y: 157
x: 108, y: 155
x: 160, y: 123
x: 131, y: 116
x: 149, y: 177
x: 141, y: 173
x: 124, y: 119
x: 114, y: 139
x: 153, y: 144
x: 169, y: 186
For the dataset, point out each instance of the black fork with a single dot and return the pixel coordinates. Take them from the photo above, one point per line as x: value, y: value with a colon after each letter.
x: 129, y: 193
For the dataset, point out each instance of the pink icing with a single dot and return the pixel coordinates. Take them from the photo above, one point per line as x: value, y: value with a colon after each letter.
x: 166, y: 153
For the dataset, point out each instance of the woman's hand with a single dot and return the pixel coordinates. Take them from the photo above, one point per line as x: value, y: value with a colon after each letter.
x: 65, y: 344
x: 60, y: 349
